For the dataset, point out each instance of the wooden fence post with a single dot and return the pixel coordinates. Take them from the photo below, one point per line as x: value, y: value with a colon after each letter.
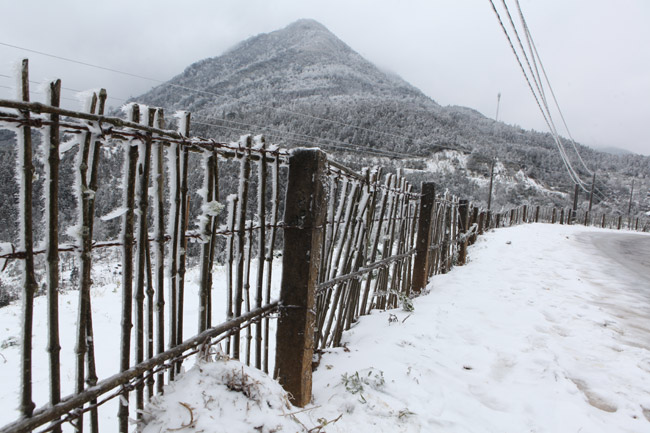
x: 574, y: 209
x: 481, y: 222
x: 304, y: 216
x: 473, y: 220
x: 423, y: 240
x: 463, y: 210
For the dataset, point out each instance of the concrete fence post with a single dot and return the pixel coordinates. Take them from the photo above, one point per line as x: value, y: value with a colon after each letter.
x: 304, y: 216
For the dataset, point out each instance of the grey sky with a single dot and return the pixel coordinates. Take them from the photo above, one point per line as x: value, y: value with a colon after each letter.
x: 595, y: 51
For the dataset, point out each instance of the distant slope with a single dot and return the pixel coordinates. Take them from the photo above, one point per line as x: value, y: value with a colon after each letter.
x: 287, y: 82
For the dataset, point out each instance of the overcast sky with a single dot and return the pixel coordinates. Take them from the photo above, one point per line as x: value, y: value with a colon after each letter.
x: 596, y: 52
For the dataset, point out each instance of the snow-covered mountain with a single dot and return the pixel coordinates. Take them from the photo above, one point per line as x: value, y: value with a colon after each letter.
x: 289, y: 84
x: 302, y: 86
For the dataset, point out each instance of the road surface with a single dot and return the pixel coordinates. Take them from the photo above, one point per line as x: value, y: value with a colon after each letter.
x: 630, y: 251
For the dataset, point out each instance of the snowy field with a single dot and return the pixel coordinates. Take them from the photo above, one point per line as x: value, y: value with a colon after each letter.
x: 541, y: 332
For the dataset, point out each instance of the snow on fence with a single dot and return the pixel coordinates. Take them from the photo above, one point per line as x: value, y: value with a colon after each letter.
x: 153, y: 336
x: 351, y: 242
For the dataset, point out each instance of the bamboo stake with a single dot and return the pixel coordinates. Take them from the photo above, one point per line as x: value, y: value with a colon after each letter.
x: 181, y: 283
x: 149, y: 317
x: 95, y: 156
x: 230, y: 280
x: 370, y: 257
x: 329, y: 223
x: 338, y: 269
x: 184, y: 216
x: 213, y: 236
x: 85, y: 261
x: 51, y: 157
x: 29, y: 280
x: 206, y: 239
x: 150, y: 292
x: 142, y: 193
x: 244, y: 174
x: 269, y: 254
x: 159, y: 234
x: 376, y: 237
x: 247, y: 285
x: 127, y: 275
x: 174, y: 218
x: 261, y: 247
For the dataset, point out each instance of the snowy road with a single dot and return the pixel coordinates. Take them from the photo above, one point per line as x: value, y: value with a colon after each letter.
x: 545, y: 330
x: 630, y: 251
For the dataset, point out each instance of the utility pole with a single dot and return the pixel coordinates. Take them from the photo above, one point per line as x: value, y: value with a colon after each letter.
x: 591, y: 194
x: 491, y: 179
x: 498, y: 101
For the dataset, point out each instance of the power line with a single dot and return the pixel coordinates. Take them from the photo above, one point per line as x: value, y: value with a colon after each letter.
x: 533, y: 49
x: 282, y: 135
x: 167, y: 83
x: 332, y: 143
x: 62, y: 87
x: 572, y: 173
x: 540, y: 89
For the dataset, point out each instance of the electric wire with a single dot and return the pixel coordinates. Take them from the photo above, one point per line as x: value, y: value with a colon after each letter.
x: 533, y: 49
x: 545, y: 113
x: 167, y: 83
x: 254, y: 128
x: 331, y: 143
x: 542, y: 95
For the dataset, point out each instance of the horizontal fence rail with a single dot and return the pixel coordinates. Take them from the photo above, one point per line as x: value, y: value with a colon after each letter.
x: 349, y: 242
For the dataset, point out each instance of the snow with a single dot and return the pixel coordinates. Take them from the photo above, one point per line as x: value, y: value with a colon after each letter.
x: 539, y: 332
x: 529, y: 336
x: 106, y: 294
x: 232, y: 397
x: 115, y: 213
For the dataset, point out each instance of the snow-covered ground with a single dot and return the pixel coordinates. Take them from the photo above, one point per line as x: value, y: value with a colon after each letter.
x: 540, y: 332
x: 106, y: 295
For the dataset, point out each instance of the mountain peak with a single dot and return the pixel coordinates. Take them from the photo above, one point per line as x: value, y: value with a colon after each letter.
x: 306, y: 24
